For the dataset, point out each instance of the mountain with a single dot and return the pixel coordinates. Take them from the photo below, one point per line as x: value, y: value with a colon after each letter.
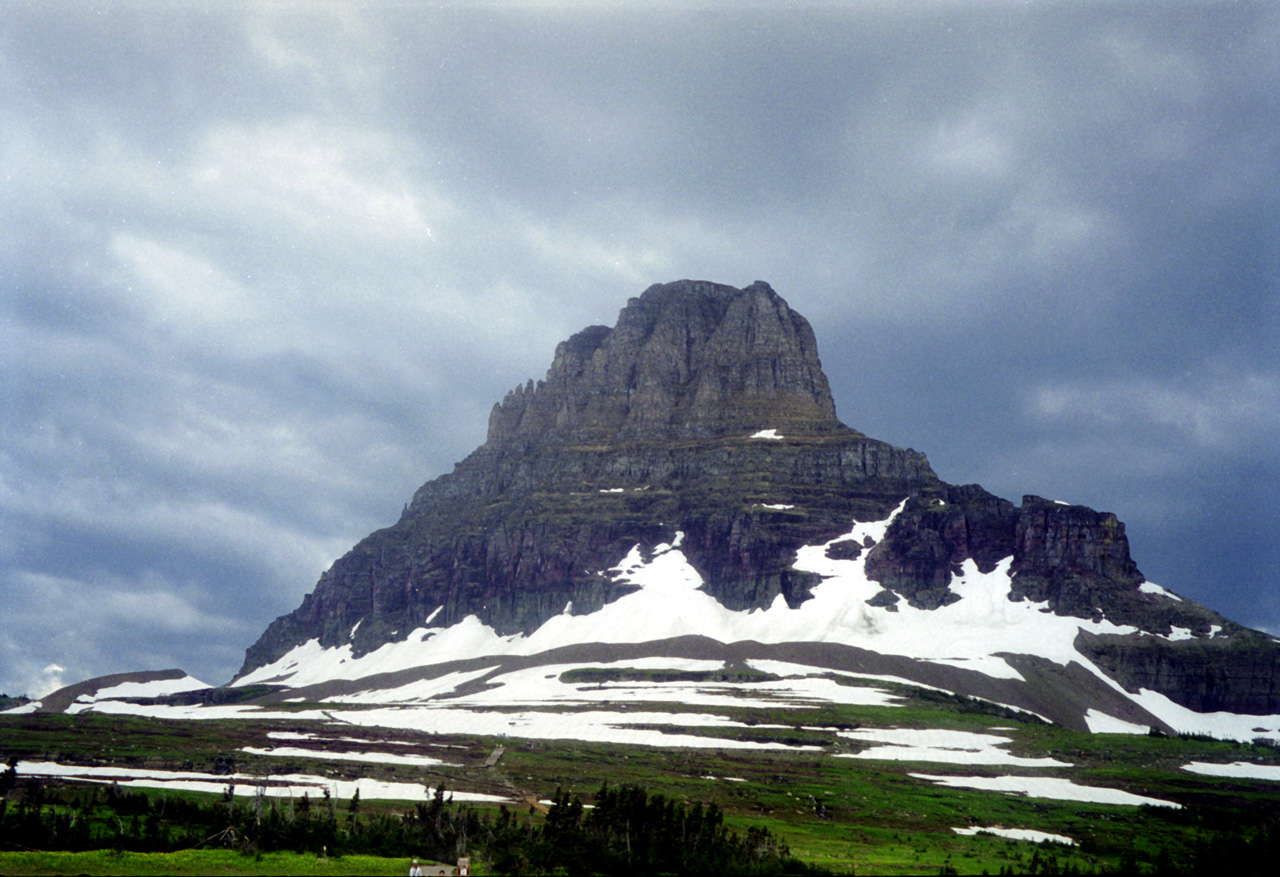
x: 677, y: 500
x: 671, y: 563
x: 699, y: 436
x: 637, y: 433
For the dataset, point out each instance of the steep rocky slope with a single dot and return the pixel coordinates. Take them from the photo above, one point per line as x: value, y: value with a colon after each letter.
x: 703, y: 419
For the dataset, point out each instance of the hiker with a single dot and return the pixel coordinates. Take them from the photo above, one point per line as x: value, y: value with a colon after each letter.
x: 415, y: 870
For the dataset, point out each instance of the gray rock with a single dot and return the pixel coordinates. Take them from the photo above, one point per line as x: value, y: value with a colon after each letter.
x: 646, y: 429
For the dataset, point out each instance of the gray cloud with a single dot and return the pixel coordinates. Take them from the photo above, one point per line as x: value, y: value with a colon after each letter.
x: 265, y: 268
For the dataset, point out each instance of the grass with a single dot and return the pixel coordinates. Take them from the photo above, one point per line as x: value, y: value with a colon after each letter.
x: 207, y: 862
x: 841, y: 813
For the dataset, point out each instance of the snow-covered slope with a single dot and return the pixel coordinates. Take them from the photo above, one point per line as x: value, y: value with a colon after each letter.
x: 983, y: 644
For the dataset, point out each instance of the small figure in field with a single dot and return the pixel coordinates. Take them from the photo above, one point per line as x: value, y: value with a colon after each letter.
x: 415, y: 870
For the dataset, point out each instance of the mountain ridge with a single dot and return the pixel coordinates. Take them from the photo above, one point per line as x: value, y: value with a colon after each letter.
x: 703, y: 419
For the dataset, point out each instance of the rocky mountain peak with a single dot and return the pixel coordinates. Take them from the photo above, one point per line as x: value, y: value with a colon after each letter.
x: 702, y: 419
x: 689, y: 359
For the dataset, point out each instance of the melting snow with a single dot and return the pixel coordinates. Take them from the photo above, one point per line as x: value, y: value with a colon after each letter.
x: 597, y: 725
x: 542, y: 685
x: 1047, y: 787
x: 945, y: 746
x: 1226, y: 726
x: 1236, y: 770
x: 970, y: 633
x: 163, y: 711
x: 23, y: 710
x: 1153, y: 588
x: 294, y: 784
x: 371, y: 757
x: 767, y: 434
x: 1101, y: 723
x: 1019, y: 834
x: 159, y: 688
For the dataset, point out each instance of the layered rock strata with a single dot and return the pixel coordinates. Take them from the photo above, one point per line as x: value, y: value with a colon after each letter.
x: 705, y: 411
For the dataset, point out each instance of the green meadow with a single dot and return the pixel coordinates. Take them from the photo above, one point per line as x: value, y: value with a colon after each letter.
x: 841, y: 814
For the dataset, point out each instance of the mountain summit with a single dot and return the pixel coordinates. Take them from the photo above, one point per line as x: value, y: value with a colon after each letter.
x: 686, y: 360
x: 680, y: 485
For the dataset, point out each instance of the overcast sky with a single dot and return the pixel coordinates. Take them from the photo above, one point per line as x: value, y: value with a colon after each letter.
x: 265, y: 267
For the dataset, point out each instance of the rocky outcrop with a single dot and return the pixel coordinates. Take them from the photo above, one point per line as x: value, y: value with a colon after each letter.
x: 686, y: 360
x: 1237, y: 673
x: 933, y: 535
x: 1071, y: 557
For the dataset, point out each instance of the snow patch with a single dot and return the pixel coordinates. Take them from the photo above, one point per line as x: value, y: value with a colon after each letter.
x: 23, y: 710
x: 767, y: 434
x: 941, y: 745
x: 159, y: 688
x: 607, y: 726
x: 1101, y: 723
x: 669, y: 603
x: 1225, y: 726
x: 1019, y: 834
x: 293, y: 785
x: 165, y: 711
x: 971, y: 633
x: 370, y: 757
x: 1153, y: 588
x: 1236, y: 770
x: 1047, y: 787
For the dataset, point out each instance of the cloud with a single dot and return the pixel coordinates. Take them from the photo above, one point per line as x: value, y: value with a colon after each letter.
x: 315, y: 179
x: 266, y: 269
x: 1213, y: 408
x: 136, y: 620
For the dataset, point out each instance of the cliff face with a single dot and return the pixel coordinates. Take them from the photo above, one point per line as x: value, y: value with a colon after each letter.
x: 705, y: 411
x: 636, y: 432
x: 686, y: 360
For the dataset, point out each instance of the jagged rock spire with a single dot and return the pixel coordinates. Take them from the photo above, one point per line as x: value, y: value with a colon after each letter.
x: 688, y: 359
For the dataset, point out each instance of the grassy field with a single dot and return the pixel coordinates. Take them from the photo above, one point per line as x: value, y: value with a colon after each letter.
x: 199, y: 862
x: 842, y: 813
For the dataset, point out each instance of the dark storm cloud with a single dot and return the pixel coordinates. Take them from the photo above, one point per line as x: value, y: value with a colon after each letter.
x: 266, y: 267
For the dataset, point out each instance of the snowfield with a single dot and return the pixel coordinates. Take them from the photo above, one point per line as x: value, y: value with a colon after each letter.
x: 977, y: 633
x: 969, y: 633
